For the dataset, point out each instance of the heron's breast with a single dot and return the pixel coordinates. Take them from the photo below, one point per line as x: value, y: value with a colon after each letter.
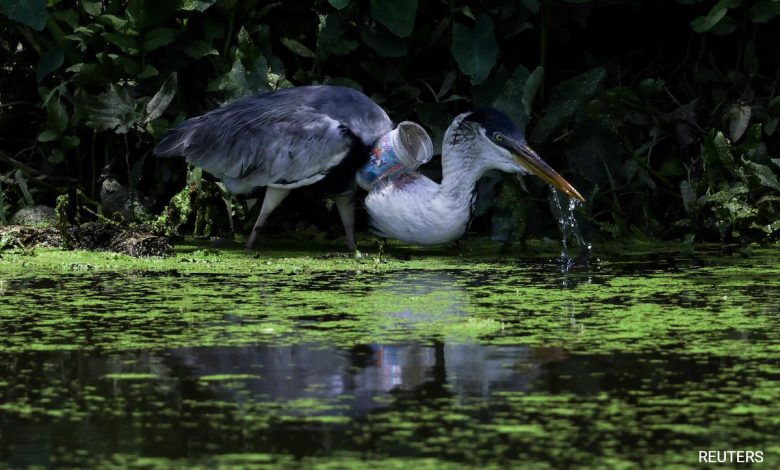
x: 415, y: 211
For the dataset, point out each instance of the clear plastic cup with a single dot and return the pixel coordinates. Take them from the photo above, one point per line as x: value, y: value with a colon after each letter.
x: 408, y: 145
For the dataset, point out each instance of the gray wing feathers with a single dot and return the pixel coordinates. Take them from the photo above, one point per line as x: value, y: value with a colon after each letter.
x: 279, y: 137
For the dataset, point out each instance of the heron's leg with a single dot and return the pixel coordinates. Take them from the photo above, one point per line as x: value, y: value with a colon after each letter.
x: 273, y: 197
x: 345, y: 203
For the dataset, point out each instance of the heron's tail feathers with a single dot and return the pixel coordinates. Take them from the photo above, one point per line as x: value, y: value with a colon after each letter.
x: 175, y: 142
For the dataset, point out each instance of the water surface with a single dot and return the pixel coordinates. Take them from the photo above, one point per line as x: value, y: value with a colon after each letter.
x: 644, y: 357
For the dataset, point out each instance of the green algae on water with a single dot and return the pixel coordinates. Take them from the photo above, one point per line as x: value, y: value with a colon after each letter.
x: 432, y: 359
x: 131, y: 376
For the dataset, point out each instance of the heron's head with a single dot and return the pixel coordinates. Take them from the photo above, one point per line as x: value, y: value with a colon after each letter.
x: 499, y: 141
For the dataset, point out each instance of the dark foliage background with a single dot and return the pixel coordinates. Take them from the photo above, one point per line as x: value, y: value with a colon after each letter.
x: 663, y: 114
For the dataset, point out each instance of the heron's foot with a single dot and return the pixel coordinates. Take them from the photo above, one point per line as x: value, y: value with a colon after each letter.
x: 251, y: 241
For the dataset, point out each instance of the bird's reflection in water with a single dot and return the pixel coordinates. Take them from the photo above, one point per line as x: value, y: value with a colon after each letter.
x: 437, y: 366
x: 206, y: 390
x: 366, y: 371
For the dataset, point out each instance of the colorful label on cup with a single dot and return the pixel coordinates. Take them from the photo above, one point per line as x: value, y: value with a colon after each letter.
x: 382, y: 162
x: 407, y: 146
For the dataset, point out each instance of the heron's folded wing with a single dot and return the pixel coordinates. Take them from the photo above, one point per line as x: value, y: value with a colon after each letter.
x: 276, y: 138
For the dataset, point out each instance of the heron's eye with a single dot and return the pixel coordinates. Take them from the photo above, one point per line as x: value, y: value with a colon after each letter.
x: 498, y: 137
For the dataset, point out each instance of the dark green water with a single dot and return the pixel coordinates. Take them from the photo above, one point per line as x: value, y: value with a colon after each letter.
x: 643, y: 358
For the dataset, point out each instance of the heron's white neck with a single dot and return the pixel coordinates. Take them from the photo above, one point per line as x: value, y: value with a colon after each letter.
x: 461, y: 165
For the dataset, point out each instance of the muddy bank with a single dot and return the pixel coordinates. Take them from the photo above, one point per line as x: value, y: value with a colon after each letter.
x: 89, y: 236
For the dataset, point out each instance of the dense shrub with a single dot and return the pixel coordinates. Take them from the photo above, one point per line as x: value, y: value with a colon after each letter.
x: 663, y: 114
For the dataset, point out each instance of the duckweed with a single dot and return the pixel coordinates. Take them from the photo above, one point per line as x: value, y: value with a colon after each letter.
x: 287, y: 358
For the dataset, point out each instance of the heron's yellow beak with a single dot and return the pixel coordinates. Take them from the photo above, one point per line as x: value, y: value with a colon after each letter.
x: 526, y: 157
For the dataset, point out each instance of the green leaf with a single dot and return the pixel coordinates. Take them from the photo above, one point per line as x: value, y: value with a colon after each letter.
x: 114, y: 22
x: 771, y: 125
x: 446, y: 84
x: 330, y: 39
x: 466, y: 10
x: 47, y: 136
x: 247, y: 52
x: 50, y: 61
x: 239, y: 82
x: 124, y: 42
x: 68, y: 17
x: 113, y: 110
x: 298, y: 48
x: 162, y: 99
x: 475, y: 50
x: 29, y: 12
x: 70, y: 142
x: 120, y: 63
x: 199, y: 49
x: 764, y: 11
x: 89, y: 73
x: 768, y: 229
x: 532, y: 85
x: 56, y: 117
x: 727, y: 194
x: 511, y: 99
x: 518, y: 95
x: 339, y: 4
x: 382, y: 41
x: 396, y: 15
x: 158, y: 38
x: 762, y: 174
x: 725, y: 27
x: 751, y: 140
x: 705, y: 23
x: 739, y: 118
x: 148, y: 71
x: 257, y: 76
x: 92, y: 7
x: 90, y: 30
x: 196, y: 5
x: 531, y: 5
x: 139, y: 13
x: 718, y: 150
x: 595, y: 152
x: 566, y: 99
x: 651, y: 86
x: 56, y: 156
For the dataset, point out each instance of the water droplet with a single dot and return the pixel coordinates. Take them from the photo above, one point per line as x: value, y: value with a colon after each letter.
x: 567, y: 222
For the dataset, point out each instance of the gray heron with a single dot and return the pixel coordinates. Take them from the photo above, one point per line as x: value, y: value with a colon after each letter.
x: 413, y: 208
x: 295, y: 137
x: 282, y: 140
